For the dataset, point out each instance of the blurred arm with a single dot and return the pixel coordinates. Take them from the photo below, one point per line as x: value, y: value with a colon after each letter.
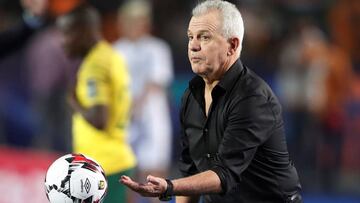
x: 97, y: 115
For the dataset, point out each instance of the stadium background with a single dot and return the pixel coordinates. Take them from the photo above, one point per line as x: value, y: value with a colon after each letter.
x: 307, y: 50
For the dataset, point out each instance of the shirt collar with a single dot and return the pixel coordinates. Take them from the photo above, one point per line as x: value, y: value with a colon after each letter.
x: 231, y: 76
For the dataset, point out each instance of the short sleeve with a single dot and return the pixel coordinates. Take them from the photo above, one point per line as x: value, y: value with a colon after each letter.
x: 95, y: 86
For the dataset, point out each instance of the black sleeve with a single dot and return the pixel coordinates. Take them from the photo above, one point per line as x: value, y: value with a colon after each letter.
x: 249, y: 123
x: 186, y: 164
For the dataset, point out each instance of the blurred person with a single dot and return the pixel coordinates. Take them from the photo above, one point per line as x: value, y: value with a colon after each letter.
x: 234, y: 147
x: 100, y: 100
x: 294, y: 83
x: 33, y: 73
x: 18, y: 121
x: 315, y: 78
x: 344, y: 20
x: 32, y: 19
x: 150, y: 66
x: 329, y: 91
x: 49, y: 73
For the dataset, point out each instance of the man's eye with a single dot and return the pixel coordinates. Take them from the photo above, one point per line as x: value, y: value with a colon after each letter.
x: 190, y: 37
x: 204, y: 37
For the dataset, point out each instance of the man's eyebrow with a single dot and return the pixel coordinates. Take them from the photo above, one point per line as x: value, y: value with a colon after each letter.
x: 204, y: 32
x: 199, y: 32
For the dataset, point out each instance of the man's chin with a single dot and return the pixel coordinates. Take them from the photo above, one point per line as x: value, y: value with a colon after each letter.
x: 199, y: 70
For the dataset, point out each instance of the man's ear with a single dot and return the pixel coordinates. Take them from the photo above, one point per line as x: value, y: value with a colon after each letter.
x: 234, y: 44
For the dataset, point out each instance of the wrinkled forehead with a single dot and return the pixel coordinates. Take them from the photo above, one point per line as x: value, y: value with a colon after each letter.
x: 209, y: 21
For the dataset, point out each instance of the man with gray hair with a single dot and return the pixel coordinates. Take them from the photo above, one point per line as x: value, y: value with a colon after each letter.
x: 234, y: 147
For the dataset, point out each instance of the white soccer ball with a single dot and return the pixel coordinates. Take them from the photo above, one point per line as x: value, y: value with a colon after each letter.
x: 75, y: 178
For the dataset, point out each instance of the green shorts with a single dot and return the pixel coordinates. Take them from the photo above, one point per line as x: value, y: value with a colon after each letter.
x: 116, y: 192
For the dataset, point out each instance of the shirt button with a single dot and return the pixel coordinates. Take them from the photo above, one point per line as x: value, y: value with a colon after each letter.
x: 206, y: 131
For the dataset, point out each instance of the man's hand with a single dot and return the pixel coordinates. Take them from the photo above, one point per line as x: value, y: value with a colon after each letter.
x: 154, y: 186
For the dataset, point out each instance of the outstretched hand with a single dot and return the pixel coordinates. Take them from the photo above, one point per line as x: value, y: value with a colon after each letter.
x: 154, y: 186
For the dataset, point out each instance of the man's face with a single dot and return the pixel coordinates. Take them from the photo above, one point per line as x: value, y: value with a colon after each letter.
x: 207, y: 48
x: 73, y: 38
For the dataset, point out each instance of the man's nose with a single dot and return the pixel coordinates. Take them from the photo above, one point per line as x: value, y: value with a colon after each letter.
x: 194, y: 45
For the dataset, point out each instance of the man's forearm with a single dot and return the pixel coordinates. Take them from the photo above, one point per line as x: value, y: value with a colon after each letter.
x: 202, y: 183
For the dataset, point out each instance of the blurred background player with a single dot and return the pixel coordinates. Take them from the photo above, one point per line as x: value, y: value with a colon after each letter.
x: 32, y: 19
x: 150, y: 65
x: 17, y: 120
x: 45, y: 56
x: 33, y: 109
x: 100, y: 100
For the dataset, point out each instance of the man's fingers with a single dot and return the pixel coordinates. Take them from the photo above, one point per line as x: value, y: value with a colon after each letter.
x: 130, y: 183
x: 159, y: 184
x: 144, y: 189
x: 125, y: 179
x: 153, y: 180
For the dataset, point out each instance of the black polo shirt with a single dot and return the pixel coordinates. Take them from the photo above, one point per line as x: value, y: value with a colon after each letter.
x: 242, y: 140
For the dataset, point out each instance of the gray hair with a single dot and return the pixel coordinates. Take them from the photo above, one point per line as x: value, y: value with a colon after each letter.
x: 232, y: 22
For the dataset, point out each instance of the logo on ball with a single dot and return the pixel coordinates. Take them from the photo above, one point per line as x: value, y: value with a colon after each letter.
x: 87, y: 185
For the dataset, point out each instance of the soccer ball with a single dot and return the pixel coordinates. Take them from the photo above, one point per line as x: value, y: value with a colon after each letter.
x: 75, y: 178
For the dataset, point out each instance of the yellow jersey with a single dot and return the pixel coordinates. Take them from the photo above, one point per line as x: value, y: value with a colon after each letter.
x: 102, y: 79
